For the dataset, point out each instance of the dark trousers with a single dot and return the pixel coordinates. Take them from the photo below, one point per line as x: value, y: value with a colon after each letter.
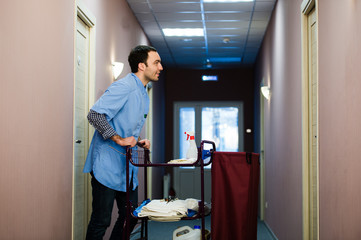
x: 103, y: 200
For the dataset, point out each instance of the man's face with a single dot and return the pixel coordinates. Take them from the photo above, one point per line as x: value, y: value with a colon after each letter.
x: 153, y: 67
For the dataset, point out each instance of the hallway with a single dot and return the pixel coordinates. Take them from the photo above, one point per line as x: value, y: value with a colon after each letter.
x: 37, y: 72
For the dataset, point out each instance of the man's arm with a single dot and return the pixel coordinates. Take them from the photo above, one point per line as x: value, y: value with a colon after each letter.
x: 100, y: 123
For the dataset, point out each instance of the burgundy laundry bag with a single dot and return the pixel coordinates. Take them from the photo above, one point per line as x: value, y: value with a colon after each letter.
x: 235, y: 180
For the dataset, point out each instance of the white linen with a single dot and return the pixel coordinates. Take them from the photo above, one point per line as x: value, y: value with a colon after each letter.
x: 164, y: 211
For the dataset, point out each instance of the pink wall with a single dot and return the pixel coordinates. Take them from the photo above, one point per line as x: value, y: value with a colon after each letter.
x: 279, y: 64
x: 36, y: 105
x: 340, y: 114
x: 36, y: 91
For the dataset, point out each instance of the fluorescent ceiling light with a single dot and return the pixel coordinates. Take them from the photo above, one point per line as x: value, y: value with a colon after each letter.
x: 225, y: 59
x: 226, y: 1
x: 183, y: 32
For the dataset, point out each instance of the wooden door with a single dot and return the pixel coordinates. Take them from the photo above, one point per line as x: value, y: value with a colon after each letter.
x: 81, y: 142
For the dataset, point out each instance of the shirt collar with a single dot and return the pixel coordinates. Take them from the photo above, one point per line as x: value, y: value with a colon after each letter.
x: 139, y: 82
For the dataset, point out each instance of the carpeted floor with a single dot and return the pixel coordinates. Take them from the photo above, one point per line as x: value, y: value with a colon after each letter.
x: 164, y: 230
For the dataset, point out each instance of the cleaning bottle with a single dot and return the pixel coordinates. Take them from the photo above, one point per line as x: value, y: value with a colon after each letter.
x: 187, y: 233
x: 192, y: 152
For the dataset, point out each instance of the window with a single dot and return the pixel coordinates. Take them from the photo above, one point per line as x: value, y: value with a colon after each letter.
x: 220, y: 125
x: 220, y: 122
x: 187, y: 123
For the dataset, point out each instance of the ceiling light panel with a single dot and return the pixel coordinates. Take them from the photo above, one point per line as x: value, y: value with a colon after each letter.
x: 244, y: 7
x: 225, y: 59
x: 191, y: 60
x: 261, y: 16
x: 227, y: 1
x: 215, y: 54
x: 238, y: 39
x: 177, y: 32
x: 167, y: 1
x: 257, y: 31
x: 234, y: 51
x: 264, y: 6
x: 251, y: 50
x: 180, y: 7
x: 221, y: 24
x: 259, y: 24
x: 249, y: 58
x: 273, y: 1
x: 222, y: 32
x: 145, y: 17
x: 221, y: 44
x: 139, y: 7
x: 166, y: 17
x: 228, y: 16
x: 161, y: 45
x: 181, y: 24
x: 184, y: 51
x: 178, y: 41
x: 254, y: 44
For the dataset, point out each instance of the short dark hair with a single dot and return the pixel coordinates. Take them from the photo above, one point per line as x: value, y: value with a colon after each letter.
x: 139, y: 54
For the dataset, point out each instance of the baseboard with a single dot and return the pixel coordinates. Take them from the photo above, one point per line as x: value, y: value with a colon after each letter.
x: 270, y: 231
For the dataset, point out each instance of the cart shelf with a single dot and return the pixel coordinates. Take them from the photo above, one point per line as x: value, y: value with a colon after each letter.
x: 140, y: 158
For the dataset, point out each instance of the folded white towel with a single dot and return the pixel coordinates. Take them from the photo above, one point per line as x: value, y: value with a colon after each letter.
x: 163, y: 209
x: 180, y: 161
x: 192, y: 203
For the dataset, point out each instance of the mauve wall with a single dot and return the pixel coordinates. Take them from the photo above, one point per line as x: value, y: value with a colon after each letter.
x: 340, y: 114
x: 36, y: 123
x: 279, y: 65
x: 36, y: 105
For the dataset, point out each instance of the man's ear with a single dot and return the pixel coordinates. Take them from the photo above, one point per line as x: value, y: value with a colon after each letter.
x: 141, y: 66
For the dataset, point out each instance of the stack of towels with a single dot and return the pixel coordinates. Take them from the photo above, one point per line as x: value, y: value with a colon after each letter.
x: 183, y: 161
x: 167, y: 211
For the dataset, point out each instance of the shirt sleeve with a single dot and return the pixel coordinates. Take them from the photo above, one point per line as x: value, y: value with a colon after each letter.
x: 113, y: 99
x: 101, y: 124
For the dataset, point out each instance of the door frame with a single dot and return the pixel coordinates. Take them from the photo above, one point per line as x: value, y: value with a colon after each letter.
x: 149, y: 136
x: 262, y: 186
x: 89, y: 19
x: 307, y: 169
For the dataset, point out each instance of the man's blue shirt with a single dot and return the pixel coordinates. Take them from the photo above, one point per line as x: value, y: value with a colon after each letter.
x: 125, y: 104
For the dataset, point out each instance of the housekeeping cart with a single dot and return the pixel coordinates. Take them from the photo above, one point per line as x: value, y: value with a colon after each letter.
x: 140, y: 158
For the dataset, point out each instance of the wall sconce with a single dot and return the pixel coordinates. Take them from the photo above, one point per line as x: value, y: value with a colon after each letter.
x: 266, y: 92
x: 117, y: 69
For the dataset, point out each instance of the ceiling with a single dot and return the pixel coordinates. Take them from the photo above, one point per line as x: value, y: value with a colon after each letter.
x: 233, y: 32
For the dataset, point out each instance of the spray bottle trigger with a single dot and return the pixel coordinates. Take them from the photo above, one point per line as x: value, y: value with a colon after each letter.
x: 187, y: 135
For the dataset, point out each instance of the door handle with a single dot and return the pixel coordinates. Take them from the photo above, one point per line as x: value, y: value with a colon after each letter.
x: 78, y: 141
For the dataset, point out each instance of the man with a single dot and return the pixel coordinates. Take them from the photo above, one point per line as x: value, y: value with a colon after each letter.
x: 118, y: 117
